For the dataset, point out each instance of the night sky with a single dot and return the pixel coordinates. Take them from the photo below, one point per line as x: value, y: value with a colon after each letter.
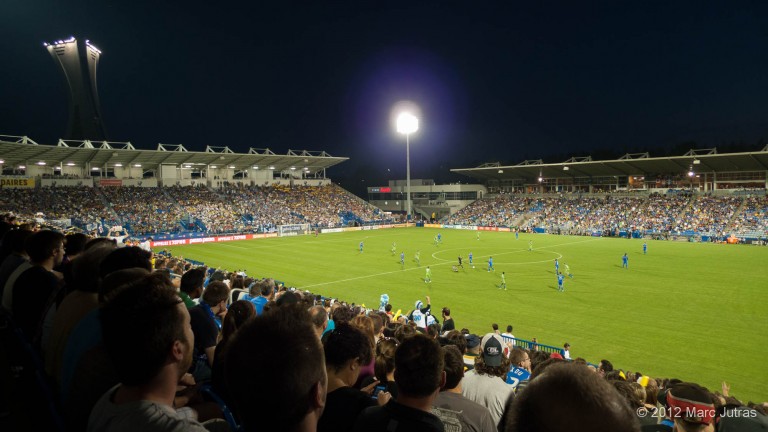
x: 495, y: 81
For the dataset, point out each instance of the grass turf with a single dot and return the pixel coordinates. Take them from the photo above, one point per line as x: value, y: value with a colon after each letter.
x: 687, y: 310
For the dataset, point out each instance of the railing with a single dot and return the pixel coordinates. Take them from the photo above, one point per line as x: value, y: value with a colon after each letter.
x: 533, y: 346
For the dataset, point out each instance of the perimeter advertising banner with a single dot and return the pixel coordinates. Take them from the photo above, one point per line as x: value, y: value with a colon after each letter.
x: 111, y: 182
x: 17, y: 183
x: 178, y: 242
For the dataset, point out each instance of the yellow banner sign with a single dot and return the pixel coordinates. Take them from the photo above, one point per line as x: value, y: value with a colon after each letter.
x: 17, y: 182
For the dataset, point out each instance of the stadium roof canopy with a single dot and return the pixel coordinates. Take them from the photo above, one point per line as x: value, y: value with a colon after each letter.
x: 16, y: 150
x: 698, y: 160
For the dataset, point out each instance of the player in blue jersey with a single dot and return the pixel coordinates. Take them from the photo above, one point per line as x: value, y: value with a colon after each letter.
x: 557, y: 266
x: 625, y: 261
x: 470, y: 260
x: 439, y: 238
x: 490, y: 264
x: 517, y: 234
x: 645, y: 248
x: 402, y: 259
x: 361, y: 247
x: 560, y: 280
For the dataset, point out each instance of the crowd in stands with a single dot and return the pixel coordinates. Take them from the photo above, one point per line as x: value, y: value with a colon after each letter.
x: 238, y: 209
x: 233, y: 209
x: 132, y: 340
x: 656, y: 213
x: 78, y: 203
x: 754, y: 216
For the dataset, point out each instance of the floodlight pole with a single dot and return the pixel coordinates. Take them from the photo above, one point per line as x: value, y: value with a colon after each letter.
x: 407, y: 124
x: 408, y: 173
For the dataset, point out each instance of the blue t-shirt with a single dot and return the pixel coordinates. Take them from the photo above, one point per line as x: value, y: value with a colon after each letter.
x: 259, y: 303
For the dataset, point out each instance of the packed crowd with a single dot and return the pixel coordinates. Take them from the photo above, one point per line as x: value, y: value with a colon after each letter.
x: 609, y: 214
x: 754, y: 216
x: 146, y: 211
x: 136, y: 341
x: 79, y: 203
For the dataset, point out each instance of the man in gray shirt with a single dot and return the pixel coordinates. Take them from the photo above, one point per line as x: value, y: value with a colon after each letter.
x: 457, y: 412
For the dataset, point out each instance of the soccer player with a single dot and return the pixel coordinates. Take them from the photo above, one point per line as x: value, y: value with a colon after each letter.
x: 439, y: 238
x: 402, y: 259
x: 530, y: 245
x: 428, y: 276
x: 560, y: 280
x: 517, y: 234
x: 361, y: 247
x: 490, y: 264
x: 503, y: 282
x: 645, y: 248
x: 568, y: 271
x: 417, y: 257
x: 557, y: 266
x: 478, y: 235
x: 460, y: 264
x: 470, y: 260
x: 625, y: 261
x: 394, y: 248
x: 436, y: 240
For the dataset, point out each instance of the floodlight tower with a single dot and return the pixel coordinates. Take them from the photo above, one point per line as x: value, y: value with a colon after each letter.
x: 78, y: 61
x: 407, y: 124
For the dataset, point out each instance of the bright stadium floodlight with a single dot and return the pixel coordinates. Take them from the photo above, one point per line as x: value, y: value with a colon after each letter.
x: 407, y: 124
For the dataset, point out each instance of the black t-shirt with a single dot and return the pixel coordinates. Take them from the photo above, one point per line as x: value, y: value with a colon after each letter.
x: 205, y: 329
x: 448, y: 325
x: 394, y: 417
x: 33, y: 293
x: 342, y: 406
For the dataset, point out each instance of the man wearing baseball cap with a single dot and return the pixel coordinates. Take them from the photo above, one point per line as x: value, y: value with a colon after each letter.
x: 691, y: 407
x: 485, y: 384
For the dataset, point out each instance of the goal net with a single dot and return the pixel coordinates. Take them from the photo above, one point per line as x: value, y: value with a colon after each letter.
x: 292, y: 230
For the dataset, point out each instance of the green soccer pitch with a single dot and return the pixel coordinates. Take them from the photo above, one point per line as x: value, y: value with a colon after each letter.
x: 692, y: 311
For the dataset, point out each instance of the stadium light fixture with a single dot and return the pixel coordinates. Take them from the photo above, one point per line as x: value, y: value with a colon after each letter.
x: 271, y: 167
x: 118, y: 164
x: 231, y: 167
x: 407, y: 124
x: 22, y: 167
x: 137, y: 165
x: 690, y: 173
x: 213, y: 166
x: 2, y: 161
x: 696, y: 161
x: 565, y: 168
x: 70, y: 164
x: 41, y: 163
